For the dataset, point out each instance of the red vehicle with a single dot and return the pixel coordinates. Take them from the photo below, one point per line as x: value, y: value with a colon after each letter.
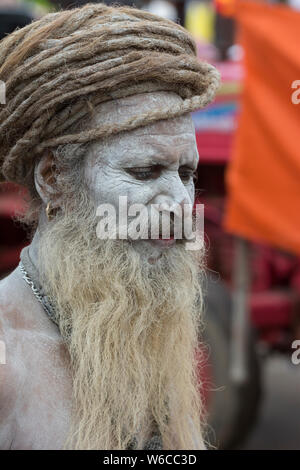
x: 252, y: 306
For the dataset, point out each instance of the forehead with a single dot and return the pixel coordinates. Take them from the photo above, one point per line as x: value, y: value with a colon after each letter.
x: 169, y: 138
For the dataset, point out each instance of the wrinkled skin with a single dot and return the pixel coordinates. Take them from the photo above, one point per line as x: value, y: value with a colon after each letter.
x: 35, y: 385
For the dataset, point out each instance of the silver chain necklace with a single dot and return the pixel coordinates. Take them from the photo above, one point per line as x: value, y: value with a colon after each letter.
x: 41, y: 298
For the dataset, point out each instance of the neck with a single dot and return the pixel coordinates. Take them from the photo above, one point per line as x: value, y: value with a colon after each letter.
x: 35, y: 242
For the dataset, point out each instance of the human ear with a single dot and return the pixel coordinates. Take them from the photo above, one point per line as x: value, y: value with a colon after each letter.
x: 45, y: 179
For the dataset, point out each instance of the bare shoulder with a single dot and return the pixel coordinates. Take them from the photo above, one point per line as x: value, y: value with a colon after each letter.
x: 24, y: 335
x: 34, y: 357
x: 23, y: 328
x: 9, y: 318
x: 22, y: 324
x: 9, y: 376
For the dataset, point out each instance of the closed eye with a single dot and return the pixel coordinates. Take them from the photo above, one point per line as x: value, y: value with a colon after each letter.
x: 145, y: 173
x: 154, y: 171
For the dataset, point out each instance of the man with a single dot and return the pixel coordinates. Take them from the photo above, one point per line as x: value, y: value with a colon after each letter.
x: 101, y: 334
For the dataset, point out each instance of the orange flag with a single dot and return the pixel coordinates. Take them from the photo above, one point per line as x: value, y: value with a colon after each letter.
x: 263, y: 177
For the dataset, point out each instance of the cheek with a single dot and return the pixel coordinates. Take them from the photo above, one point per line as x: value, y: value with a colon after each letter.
x: 99, y: 184
x: 107, y: 184
x: 141, y: 193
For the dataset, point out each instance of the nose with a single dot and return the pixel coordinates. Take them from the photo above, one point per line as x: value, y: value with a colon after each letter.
x: 173, y: 193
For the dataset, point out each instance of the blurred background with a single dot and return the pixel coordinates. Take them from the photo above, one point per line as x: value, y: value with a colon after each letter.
x: 248, y: 179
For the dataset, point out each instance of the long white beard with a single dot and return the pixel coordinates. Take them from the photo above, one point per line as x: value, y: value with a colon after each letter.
x: 131, y: 329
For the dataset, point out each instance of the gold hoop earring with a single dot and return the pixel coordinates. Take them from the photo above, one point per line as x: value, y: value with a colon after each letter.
x: 49, y: 211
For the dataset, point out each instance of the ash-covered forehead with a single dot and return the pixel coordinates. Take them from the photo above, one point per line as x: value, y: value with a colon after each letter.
x: 160, y: 136
x: 131, y: 106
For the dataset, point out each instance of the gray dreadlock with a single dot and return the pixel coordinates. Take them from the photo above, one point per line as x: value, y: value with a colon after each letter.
x: 56, y: 68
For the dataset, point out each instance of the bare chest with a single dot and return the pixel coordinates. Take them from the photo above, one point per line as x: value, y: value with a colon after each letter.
x: 40, y: 416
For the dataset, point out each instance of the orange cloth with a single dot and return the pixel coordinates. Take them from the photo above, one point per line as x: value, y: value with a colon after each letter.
x: 263, y: 177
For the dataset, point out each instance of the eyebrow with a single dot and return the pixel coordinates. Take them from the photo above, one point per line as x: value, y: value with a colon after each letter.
x: 160, y: 154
